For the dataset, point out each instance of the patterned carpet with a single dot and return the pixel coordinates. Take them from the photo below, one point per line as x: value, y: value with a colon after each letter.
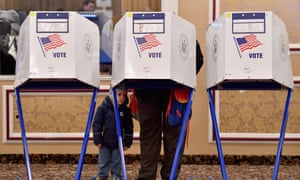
x: 196, y: 167
x: 196, y: 172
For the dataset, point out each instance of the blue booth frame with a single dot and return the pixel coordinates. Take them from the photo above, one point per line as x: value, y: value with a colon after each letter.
x: 85, y: 139
x: 218, y: 139
x: 180, y: 140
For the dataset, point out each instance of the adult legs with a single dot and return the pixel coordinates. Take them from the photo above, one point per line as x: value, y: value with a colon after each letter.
x: 150, y: 112
x: 170, y: 141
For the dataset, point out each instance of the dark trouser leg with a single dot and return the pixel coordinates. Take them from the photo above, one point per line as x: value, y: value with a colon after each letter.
x: 150, y: 139
x: 150, y: 117
x: 170, y: 140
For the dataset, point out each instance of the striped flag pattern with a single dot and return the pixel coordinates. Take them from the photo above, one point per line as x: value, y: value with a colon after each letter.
x: 147, y: 42
x: 248, y: 42
x: 51, y: 42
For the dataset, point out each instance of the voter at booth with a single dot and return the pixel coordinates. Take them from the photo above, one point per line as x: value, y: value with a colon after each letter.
x: 153, y: 53
x: 152, y: 105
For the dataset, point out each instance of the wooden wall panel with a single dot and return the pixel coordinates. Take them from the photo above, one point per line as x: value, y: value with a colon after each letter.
x: 141, y: 5
x: 70, y: 5
x: 45, y: 5
x: 287, y: 12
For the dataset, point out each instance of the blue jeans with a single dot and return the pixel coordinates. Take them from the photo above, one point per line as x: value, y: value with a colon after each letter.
x: 109, y: 160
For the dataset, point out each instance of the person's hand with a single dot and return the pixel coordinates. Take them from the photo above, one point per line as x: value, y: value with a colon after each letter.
x: 125, y: 148
x: 99, y: 146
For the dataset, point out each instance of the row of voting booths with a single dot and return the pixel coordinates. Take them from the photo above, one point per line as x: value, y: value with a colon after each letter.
x: 245, y: 50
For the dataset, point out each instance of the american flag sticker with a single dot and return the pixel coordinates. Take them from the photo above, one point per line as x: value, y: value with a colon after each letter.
x: 51, y: 42
x: 147, y: 42
x: 247, y: 42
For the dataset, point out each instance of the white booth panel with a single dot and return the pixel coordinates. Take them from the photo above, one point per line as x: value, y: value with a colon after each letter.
x: 58, y: 46
x: 248, y: 50
x: 154, y: 46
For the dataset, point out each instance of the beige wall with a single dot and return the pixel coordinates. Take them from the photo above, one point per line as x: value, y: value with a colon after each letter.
x: 197, y: 12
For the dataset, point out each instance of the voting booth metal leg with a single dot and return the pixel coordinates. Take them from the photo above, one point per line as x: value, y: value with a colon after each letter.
x: 23, y: 133
x: 281, y: 137
x: 86, y: 134
x: 217, y: 135
x: 119, y: 134
x: 280, y: 143
x: 181, y: 138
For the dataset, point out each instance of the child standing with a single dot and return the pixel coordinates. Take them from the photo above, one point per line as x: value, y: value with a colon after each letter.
x: 105, y: 134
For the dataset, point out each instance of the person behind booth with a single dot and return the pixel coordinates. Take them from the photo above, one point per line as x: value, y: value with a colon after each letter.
x: 151, y: 107
x: 88, y: 5
x: 9, y: 26
x: 105, y: 134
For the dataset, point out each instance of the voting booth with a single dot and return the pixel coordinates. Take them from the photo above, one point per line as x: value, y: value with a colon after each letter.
x: 154, y: 46
x: 57, y: 50
x: 154, y: 50
x: 248, y: 51
x: 53, y: 45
